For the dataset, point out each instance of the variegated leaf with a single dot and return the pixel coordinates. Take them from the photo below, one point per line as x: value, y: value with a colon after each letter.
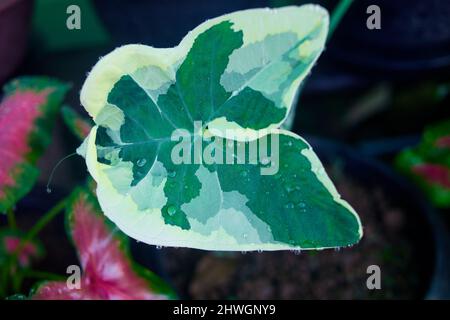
x: 235, y: 73
x: 27, y: 114
x: 109, y: 273
x: 79, y: 126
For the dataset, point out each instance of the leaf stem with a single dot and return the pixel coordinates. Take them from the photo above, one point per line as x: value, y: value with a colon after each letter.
x: 3, y: 281
x: 30, y: 235
x: 36, y: 274
x: 336, y: 17
x: 42, y: 222
x: 38, y: 226
x: 12, y: 264
x: 11, y: 219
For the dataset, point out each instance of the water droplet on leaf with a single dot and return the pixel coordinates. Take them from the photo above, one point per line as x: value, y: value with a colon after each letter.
x: 172, y: 174
x: 289, y: 187
x: 171, y: 210
x: 290, y: 205
x: 141, y: 162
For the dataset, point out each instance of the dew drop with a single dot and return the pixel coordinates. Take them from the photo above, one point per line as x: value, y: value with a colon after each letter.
x: 288, y: 187
x: 172, y: 174
x: 141, y: 162
x: 290, y: 205
x: 171, y: 210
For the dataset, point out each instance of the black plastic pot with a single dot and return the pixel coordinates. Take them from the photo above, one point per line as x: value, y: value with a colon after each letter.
x: 162, y: 23
x: 414, y: 36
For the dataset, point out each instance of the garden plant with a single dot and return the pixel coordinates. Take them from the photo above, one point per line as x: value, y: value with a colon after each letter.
x: 184, y: 149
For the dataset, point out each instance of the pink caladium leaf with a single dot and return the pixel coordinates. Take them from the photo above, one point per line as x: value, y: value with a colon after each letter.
x: 443, y: 142
x: 9, y: 243
x: 428, y: 163
x: 79, y: 126
x: 434, y: 174
x: 27, y: 114
x: 108, y: 270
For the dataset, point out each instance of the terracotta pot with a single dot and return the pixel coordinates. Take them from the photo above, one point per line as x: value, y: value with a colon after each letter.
x: 15, y: 17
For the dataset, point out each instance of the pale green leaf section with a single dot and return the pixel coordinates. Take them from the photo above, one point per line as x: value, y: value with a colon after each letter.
x: 256, y: 61
x: 267, y: 34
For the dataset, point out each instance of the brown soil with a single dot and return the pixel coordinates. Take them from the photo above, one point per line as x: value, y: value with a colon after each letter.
x: 326, y: 274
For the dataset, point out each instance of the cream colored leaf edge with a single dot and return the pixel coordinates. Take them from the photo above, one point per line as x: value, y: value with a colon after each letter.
x: 149, y: 227
x: 129, y: 58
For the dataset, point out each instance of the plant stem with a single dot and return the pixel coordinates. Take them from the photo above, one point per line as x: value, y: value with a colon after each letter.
x: 336, y: 17
x: 43, y: 275
x: 17, y: 282
x: 42, y: 222
x: 31, y: 234
x: 11, y: 219
x: 3, y: 281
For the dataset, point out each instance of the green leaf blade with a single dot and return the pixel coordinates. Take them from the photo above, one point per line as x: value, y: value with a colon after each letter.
x: 231, y: 81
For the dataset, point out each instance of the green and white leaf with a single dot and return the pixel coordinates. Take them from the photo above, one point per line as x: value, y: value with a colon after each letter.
x: 238, y: 71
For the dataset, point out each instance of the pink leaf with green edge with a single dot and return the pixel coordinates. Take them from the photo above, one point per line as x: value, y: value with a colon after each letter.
x: 79, y: 126
x: 27, y: 114
x: 108, y: 270
x: 434, y: 174
x: 428, y: 163
x: 9, y: 242
x: 443, y: 142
